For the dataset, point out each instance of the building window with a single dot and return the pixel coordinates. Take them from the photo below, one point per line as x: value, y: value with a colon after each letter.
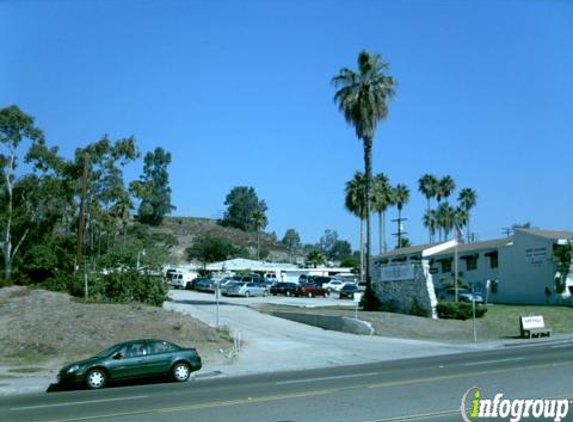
x: 471, y: 263
x: 493, y: 260
x: 446, y: 265
x: 494, y: 286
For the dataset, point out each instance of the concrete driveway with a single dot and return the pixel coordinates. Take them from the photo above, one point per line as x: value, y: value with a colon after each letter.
x: 273, y: 344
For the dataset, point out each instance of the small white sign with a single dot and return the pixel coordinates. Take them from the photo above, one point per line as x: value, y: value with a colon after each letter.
x: 357, y: 297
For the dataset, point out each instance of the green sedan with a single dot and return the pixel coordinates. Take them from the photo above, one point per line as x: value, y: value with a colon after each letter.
x: 133, y: 359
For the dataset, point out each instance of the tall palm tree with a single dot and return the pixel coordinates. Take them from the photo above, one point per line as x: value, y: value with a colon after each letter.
x: 468, y: 200
x: 401, y: 198
x: 355, y: 202
x: 446, y: 216
x: 363, y: 98
x: 446, y: 186
x: 382, y: 198
x: 428, y: 186
x: 461, y: 220
x: 430, y: 221
x: 259, y: 222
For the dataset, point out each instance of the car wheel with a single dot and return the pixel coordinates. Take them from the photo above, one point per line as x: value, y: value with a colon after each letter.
x: 274, y: 294
x: 96, y: 378
x: 247, y: 294
x: 181, y: 372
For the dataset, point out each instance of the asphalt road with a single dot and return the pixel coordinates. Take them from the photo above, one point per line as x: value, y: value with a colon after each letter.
x: 421, y: 389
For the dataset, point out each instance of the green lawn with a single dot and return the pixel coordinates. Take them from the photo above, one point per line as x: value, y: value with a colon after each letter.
x: 500, y: 322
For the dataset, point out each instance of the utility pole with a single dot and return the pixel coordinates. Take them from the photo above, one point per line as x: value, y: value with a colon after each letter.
x: 81, y: 218
x: 400, y: 231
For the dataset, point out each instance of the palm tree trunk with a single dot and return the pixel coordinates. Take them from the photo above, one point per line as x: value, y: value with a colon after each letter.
x: 468, y: 228
x: 361, y: 249
x: 428, y: 214
x: 380, y: 232
x: 368, y: 171
x: 384, y: 230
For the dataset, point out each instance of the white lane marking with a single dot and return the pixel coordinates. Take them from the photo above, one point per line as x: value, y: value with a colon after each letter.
x: 558, y: 346
x: 368, y: 374
x: 76, y: 403
x: 483, y: 362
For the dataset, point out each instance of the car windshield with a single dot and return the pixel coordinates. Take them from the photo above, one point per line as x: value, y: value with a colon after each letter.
x: 109, y: 351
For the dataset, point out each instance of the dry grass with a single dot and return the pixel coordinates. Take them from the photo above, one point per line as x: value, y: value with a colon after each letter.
x: 38, y: 326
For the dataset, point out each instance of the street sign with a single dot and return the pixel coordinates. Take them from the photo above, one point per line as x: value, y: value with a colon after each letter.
x: 357, y: 297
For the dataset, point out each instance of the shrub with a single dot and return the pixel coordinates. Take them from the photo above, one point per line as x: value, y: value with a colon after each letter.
x: 460, y: 310
x: 133, y: 286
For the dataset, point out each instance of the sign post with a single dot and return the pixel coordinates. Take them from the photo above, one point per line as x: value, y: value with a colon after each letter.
x: 357, y: 298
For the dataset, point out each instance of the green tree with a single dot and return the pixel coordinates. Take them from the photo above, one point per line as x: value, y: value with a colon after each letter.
x: 382, y: 199
x: 446, y: 187
x: 15, y: 127
x: 430, y: 221
x: 447, y: 218
x: 315, y: 258
x: 259, y: 221
x: 428, y: 186
x: 467, y: 199
x: 291, y: 240
x: 355, y: 202
x: 340, y: 251
x: 401, y: 198
x: 363, y: 98
x: 241, y: 203
x: 327, y: 242
x: 208, y: 249
x: 153, y: 188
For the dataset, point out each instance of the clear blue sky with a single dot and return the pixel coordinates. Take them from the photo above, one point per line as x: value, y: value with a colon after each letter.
x: 239, y: 92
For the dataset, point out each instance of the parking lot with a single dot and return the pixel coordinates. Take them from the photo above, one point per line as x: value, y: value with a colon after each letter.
x: 331, y: 300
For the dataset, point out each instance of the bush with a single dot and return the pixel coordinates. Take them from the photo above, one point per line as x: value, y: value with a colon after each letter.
x: 459, y: 310
x: 120, y: 286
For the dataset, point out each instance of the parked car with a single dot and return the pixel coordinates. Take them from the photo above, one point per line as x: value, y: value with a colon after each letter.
x: 310, y: 290
x: 192, y: 283
x: 204, y: 285
x: 247, y: 289
x: 348, y: 290
x: 284, y: 288
x: 464, y: 295
x: 132, y: 359
x: 334, y: 285
x: 239, y: 279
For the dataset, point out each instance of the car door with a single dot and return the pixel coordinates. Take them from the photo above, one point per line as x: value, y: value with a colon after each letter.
x: 160, y: 357
x: 130, y: 361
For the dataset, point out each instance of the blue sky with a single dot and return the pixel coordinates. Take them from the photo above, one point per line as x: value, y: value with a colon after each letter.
x: 239, y: 92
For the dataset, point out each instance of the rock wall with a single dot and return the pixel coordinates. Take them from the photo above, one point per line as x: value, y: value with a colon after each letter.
x: 406, y: 288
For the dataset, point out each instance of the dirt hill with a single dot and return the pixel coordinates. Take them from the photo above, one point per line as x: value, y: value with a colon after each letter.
x: 40, y: 329
x: 186, y: 229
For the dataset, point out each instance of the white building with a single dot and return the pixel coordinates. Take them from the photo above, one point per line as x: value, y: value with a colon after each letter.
x: 521, y: 269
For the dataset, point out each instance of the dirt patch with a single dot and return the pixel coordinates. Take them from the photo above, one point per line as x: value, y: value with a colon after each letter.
x: 40, y: 329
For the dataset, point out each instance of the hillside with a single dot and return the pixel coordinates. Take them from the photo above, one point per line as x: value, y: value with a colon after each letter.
x: 186, y: 229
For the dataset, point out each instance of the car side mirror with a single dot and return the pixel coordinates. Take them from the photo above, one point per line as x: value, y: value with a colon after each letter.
x: 118, y: 356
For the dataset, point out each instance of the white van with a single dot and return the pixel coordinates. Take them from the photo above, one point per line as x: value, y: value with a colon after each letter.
x: 180, y: 280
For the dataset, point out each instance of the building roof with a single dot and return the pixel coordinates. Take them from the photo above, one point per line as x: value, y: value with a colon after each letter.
x: 548, y: 234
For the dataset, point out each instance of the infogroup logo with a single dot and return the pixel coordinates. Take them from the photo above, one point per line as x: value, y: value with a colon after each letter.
x: 474, y: 407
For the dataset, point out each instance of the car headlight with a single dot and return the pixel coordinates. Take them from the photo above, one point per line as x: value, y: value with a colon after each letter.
x: 73, y: 369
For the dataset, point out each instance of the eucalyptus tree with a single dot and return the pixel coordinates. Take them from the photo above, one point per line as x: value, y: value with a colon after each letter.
x: 467, y: 199
x: 382, y: 199
x: 446, y: 187
x: 363, y: 98
x: 428, y: 186
x: 15, y: 127
x: 355, y: 202
x: 153, y: 188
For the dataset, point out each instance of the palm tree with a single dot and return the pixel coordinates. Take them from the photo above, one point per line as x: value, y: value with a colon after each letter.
x: 401, y: 198
x: 430, y: 221
x: 259, y: 222
x: 382, y: 199
x: 468, y: 200
x: 315, y: 258
x: 428, y: 186
x: 355, y: 202
x: 461, y: 219
x: 446, y: 217
x: 446, y: 186
x: 363, y: 98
